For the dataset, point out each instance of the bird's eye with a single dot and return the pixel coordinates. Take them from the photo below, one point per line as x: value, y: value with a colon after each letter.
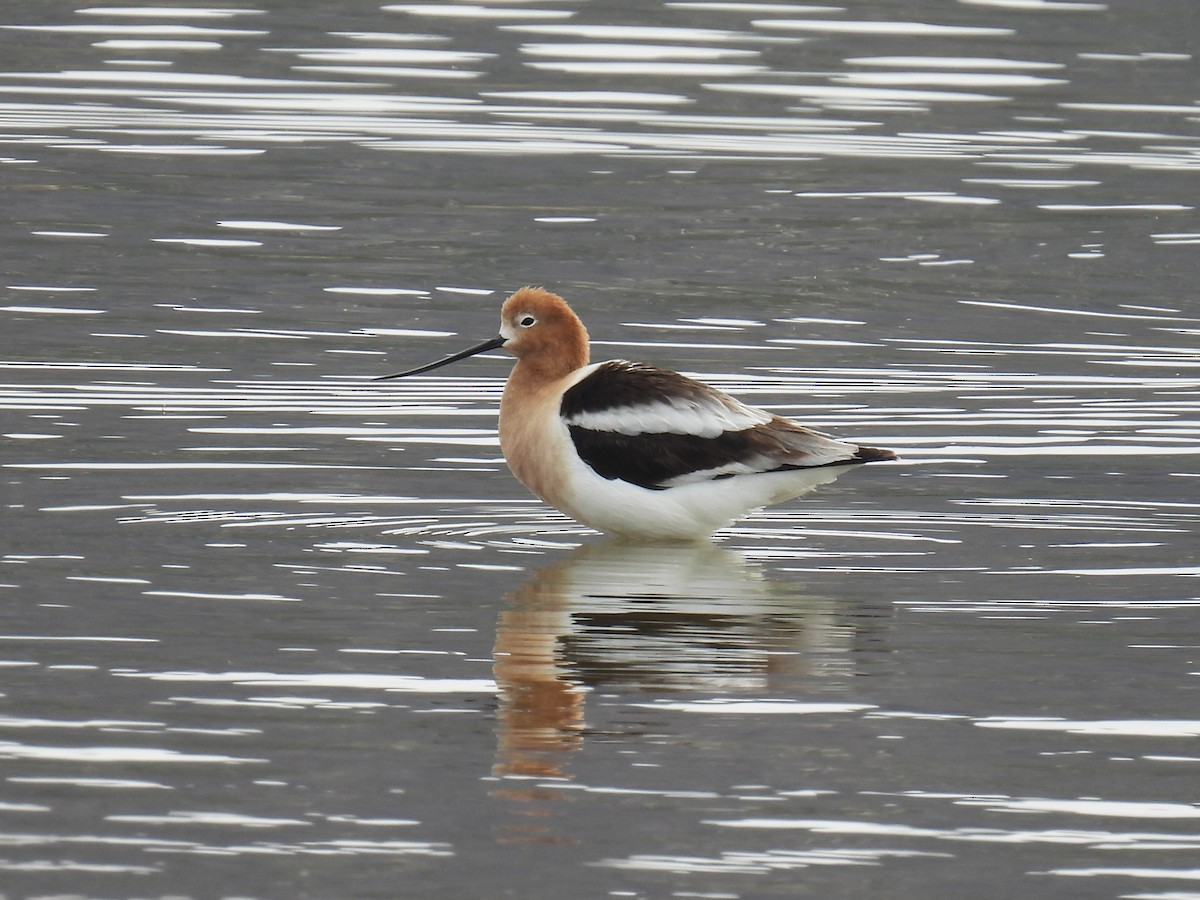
x: 527, y: 321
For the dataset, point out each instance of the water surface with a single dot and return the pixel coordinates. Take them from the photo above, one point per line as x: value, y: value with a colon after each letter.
x: 271, y: 630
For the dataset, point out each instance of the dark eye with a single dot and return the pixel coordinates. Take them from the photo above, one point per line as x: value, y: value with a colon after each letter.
x: 526, y: 321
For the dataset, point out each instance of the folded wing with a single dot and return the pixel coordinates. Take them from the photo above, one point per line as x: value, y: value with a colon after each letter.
x: 659, y: 429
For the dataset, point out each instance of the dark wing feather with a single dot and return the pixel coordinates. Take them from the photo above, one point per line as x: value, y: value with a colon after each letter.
x: 659, y: 429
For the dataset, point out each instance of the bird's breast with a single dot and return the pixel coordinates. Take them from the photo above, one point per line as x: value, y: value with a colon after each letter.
x: 534, y: 439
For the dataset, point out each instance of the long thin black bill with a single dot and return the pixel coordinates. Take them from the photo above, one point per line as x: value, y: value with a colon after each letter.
x: 462, y: 354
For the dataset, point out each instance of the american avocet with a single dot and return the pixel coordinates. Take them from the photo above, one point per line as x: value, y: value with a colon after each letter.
x: 637, y: 451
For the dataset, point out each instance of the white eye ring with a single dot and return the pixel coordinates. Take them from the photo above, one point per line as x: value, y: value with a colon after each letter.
x: 527, y: 321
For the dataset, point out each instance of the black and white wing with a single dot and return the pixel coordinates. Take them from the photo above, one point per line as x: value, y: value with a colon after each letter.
x: 659, y: 429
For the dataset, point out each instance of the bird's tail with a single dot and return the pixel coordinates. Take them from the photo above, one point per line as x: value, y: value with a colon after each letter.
x: 873, y: 454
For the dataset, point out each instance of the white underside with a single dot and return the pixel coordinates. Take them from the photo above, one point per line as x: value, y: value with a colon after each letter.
x: 687, y: 512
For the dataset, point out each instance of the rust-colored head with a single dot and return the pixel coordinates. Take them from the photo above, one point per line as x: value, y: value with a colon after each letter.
x: 538, y: 328
x: 542, y: 331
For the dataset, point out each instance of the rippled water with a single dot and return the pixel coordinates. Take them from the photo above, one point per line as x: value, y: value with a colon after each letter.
x: 271, y: 630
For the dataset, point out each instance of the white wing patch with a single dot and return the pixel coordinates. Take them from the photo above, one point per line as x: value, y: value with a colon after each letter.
x: 708, y: 417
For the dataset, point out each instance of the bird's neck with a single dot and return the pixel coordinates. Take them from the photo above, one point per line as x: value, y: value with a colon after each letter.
x: 534, y: 372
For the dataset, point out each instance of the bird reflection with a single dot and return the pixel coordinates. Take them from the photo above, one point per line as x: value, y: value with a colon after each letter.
x: 652, y: 619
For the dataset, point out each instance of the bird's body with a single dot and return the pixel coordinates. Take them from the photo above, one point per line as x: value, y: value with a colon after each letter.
x: 637, y: 451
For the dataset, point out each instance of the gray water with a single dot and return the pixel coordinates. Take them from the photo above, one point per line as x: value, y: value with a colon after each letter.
x: 273, y: 631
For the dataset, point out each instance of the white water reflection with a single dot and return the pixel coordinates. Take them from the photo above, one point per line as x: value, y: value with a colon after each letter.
x: 400, y: 124
x: 401, y: 683
x: 117, y: 755
x: 707, y: 61
x: 759, y: 863
x: 1105, y: 840
x: 1131, y: 727
x: 140, y: 30
x: 845, y: 26
x: 471, y: 11
x: 728, y: 706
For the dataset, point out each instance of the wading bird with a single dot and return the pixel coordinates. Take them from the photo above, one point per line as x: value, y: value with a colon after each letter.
x: 637, y: 451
